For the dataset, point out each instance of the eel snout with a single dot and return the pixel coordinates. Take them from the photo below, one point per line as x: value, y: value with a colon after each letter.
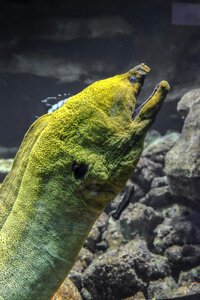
x: 137, y: 75
x: 156, y: 97
x: 140, y: 70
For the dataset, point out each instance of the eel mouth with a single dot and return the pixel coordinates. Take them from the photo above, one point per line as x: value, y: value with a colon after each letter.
x: 139, y: 107
x: 152, y: 104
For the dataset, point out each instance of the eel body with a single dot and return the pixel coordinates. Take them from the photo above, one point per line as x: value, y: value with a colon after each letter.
x: 71, y: 164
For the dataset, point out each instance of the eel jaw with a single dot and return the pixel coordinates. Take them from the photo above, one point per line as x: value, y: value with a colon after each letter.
x: 141, y: 69
x: 149, y: 108
x: 156, y: 97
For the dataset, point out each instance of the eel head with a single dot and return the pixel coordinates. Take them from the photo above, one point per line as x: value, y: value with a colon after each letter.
x: 103, y: 131
x: 93, y: 142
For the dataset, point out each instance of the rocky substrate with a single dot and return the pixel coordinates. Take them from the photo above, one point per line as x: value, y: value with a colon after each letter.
x: 154, y: 247
x: 153, y: 250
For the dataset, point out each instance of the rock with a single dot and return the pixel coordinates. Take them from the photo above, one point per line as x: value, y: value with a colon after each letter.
x: 84, y: 259
x: 159, y: 182
x: 110, y: 275
x: 157, y: 150
x: 145, y: 172
x: 138, y: 193
x: 190, y: 276
x: 184, y: 257
x: 159, y: 197
x: 151, y: 136
x: 165, y: 236
x: 174, y: 254
x: 174, y: 211
x: 187, y: 227
x: 182, y: 228
x: 76, y: 278
x: 94, y: 240
x: 188, y: 291
x: 186, y: 104
x: 151, y: 162
x: 121, y: 272
x: 101, y: 223
x: 110, y: 279
x: 112, y: 235
x: 139, y: 220
x: 5, y: 166
x: 67, y: 291
x: 182, y: 162
x: 160, y: 267
x: 162, y: 288
x: 137, y: 296
x: 86, y: 295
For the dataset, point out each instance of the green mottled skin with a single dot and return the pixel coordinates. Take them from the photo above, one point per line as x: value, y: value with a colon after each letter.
x: 45, y: 212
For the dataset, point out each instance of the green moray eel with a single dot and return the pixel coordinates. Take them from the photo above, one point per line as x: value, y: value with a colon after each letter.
x: 71, y: 164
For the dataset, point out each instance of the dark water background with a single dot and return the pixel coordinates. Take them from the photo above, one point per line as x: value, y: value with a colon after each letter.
x: 55, y: 47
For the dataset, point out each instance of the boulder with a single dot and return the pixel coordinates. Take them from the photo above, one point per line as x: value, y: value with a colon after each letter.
x: 137, y: 296
x: 188, y: 101
x: 85, y: 257
x: 111, y: 278
x: 159, y: 182
x: 157, y: 150
x: 189, y: 291
x: 94, y: 240
x: 146, y: 171
x: 183, y: 257
x: 180, y: 228
x: 190, y: 276
x: 159, y: 197
x: 182, y: 162
x: 151, y: 162
x: 151, y: 136
x: 139, y: 220
x: 122, y: 272
x: 162, y: 288
x: 67, y: 291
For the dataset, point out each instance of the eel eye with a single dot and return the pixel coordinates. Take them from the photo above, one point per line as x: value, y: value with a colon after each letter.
x: 132, y: 79
x: 79, y: 169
